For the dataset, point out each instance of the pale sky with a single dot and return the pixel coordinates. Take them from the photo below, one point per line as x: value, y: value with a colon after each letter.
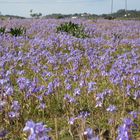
x: 23, y: 7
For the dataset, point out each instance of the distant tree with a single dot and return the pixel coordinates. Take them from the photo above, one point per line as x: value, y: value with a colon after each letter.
x: 35, y: 15
x: 31, y: 11
x: 76, y: 14
x: 38, y: 15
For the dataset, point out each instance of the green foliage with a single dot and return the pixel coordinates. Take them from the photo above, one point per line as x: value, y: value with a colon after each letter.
x: 35, y: 15
x: 109, y: 17
x: 72, y: 29
x: 17, y: 31
x: 2, y: 30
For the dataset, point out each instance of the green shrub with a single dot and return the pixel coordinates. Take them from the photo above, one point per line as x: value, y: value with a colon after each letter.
x: 109, y: 17
x: 17, y: 31
x: 72, y: 29
x: 2, y: 30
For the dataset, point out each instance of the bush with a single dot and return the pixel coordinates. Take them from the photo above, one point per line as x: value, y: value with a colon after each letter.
x: 72, y: 29
x: 2, y: 30
x: 17, y: 31
x: 109, y: 17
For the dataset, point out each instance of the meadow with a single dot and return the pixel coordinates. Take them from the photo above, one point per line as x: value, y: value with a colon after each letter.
x: 57, y: 86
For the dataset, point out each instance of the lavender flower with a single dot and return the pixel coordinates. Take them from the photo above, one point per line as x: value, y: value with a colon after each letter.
x: 50, y: 88
x: 72, y: 120
x: 136, y: 94
x: 42, y: 106
x: 29, y: 127
x: 69, y: 98
x: 2, y: 105
x: 77, y: 92
x: 13, y: 115
x: 9, y: 91
x: 68, y: 86
x: 124, y: 131
x: 128, y: 89
x: 36, y: 131
x: 111, y: 108
x: 66, y: 72
x: 23, y: 83
x: 91, y: 86
x: 56, y: 82
x: 134, y: 114
x: 82, y: 83
x: 83, y: 115
x: 99, y: 104
x: 90, y: 134
x: 15, y: 106
x: 3, y: 133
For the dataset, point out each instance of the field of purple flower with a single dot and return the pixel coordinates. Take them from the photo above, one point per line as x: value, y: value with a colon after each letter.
x: 54, y: 86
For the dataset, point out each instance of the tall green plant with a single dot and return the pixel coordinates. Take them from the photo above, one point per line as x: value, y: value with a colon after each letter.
x: 2, y: 30
x: 72, y: 29
x: 17, y: 31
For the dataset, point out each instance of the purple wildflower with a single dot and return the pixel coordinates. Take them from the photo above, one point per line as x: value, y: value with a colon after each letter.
x: 36, y: 131
x: 9, y: 91
x: 29, y: 126
x: 134, y: 114
x: 111, y: 108
x: 3, y: 133
x: 15, y: 106
x: 90, y: 134
x: 72, y: 120
x: 82, y: 83
x: 68, y: 86
x: 42, y: 106
x: 13, y: 115
x: 77, y: 92
x: 124, y: 131
x: 2, y: 105
x: 91, y: 86
x: 83, y: 115
x: 69, y: 98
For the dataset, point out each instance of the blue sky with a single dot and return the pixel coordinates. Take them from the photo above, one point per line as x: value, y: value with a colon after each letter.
x: 22, y: 7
